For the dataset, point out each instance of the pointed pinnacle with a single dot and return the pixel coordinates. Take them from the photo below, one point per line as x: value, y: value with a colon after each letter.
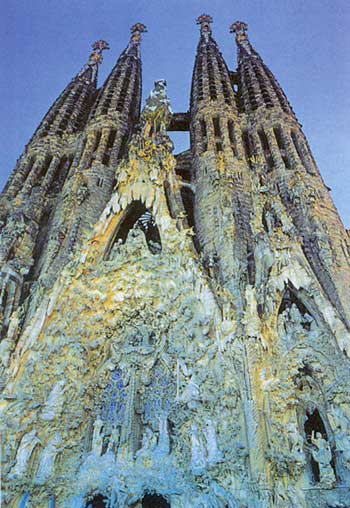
x: 205, y: 21
x: 136, y: 31
x: 100, y: 45
x: 239, y: 28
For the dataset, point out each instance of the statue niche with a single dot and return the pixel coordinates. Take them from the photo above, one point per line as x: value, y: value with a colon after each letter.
x: 294, y: 320
x: 319, y: 444
x: 137, y: 217
x: 322, y: 459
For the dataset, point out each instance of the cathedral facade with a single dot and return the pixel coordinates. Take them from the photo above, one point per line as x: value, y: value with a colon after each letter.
x: 175, y: 330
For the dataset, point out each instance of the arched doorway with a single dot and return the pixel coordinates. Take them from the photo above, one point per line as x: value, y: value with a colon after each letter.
x: 154, y: 501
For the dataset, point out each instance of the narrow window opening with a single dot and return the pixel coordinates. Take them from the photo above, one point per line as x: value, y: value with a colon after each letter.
x: 266, y: 149
x: 219, y: 147
x: 251, y: 266
x: 224, y: 76
x: 154, y: 501
x: 282, y: 146
x: 247, y: 147
x: 58, y: 175
x: 232, y: 136
x: 279, y: 138
x: 63, y: 172
x: 264, y: 90
x: 133, y: 112
x: 204, y: 135
x: 45, y: 167
x: 264, y: 142
x: 4, y: 301
x: 97, y: 141
x: 109, y: 147
x: 216, y: 123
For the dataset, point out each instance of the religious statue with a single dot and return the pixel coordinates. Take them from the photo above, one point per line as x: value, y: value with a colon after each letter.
x: 295, y: 442
x: 163, y: 446
x: 214, y: 455
x: 321, y: 453
x: 97, y: 437
x: 341, y: 427
x: 24, y: 452
x: 114, y: 440
x: 198, y: 457
x: 191, y: 393
x: 149, y: 442
x: 54, y: 402
x: 47, y: 460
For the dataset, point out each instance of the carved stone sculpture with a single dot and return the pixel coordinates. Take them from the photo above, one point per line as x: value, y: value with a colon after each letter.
x: 198, y: 456
x: 322, y: 454
x: 214, y: 455
x: 28, y: 443
x: 47, y: 458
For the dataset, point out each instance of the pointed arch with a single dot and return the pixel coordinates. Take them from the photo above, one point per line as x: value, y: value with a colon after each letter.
x: 136, y: 216
x: 305, y: 303
x: 313, y: 419
x: 291, y: 296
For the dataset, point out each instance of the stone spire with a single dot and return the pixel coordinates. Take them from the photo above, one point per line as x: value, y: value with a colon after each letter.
x: 121, y: 91
x: 109, y: 127
x: 205, y: 22
x: 66, y: 116
x: 260, y: 88
x: 89, y: 71
x: 211, y: 79
x: 275, y: 138
x: 219, y: 168
x: 70, y: 111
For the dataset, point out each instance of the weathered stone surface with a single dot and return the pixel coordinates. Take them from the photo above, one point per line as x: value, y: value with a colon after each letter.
x: 192, y: 348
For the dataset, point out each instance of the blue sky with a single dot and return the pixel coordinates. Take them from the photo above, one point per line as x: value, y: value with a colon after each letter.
x: 306, y: 44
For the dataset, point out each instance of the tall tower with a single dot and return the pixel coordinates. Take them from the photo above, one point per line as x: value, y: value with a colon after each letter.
x: 34, y: 189
x: 274, y: 134
x: 187, y: 339
x: 62, y: 195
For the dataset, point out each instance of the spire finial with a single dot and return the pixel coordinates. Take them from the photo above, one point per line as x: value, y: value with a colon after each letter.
x: 96, y: 55
x: 94, y: 61
x: 239, y: 28
x: 205, y: 21
x: 136, y: 31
